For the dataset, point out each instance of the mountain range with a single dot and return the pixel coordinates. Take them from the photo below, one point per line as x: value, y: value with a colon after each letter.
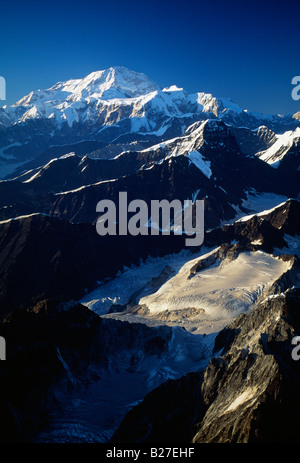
x: 114, y: 106
x: 157, y: 341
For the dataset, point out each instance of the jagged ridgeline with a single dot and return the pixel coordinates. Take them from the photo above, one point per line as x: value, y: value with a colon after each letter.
x: 142, y: 338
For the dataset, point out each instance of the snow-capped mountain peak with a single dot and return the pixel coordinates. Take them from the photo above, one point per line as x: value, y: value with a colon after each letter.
x: 115, y: 82
x: 281, y: 146
x: 113, y: 103
x: 217, y: 106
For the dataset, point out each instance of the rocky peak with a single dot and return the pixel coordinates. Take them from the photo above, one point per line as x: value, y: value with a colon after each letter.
x: 247, y: 393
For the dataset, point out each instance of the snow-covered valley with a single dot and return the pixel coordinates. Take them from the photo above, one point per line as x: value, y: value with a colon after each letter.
x: 109, y: 320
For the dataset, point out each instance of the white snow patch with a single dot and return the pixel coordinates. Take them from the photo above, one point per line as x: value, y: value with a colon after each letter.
x: 223, y: 290
x: 256, y: 242
x: 241, y: 399
x: 280, y: 147
x: 257, y: 204
x: 264, y: 212
x: 293, y: 245
x: 84, y: 186
x: 119, y: 289
x: 21, y: 217
x: 198, y: 160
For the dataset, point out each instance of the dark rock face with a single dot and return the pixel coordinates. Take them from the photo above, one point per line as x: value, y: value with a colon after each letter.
x: 55, y: 347
x: 248, y: 392
x: 262, y: 403
x: 41, y: 336
x: 44, y: 257
x: 253, y: 141
x: 233, y: 173
x: 50, y: 253
x: 72, y: 172
x: 266, y: 230
x: 168, y: 414
x: 36, y: 254
x: 33, y: 376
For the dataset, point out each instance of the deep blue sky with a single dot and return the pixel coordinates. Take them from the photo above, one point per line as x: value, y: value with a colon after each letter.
x: 248, y: 51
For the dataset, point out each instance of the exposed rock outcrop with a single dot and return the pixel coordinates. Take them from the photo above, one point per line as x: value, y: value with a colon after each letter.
x: 248, y: 393
x: 56, y: 347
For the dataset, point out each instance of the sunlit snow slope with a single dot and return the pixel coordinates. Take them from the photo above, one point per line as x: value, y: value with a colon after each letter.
x: 221, y: 291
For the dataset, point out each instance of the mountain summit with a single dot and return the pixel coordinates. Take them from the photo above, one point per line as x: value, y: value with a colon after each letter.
x: 101, y: 323
x: 115, y: 82
x: 113, y: 104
